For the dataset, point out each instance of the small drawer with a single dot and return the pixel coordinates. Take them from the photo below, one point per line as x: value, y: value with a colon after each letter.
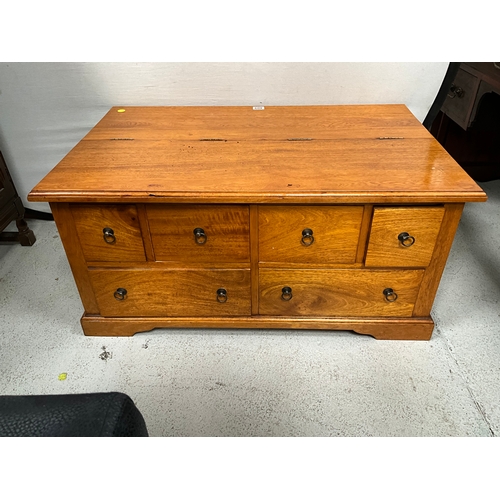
x: 309, y: 234
x: 109, y: 233
x: 403, y: 237
x: 188, y: 293
x: 338, y: 292
x: 200, y: 234
x: 460, y: 96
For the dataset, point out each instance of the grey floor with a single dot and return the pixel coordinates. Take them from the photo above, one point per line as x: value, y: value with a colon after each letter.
x: 269, y: 383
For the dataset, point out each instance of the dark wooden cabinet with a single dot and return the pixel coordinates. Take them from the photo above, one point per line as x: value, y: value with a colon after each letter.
x: 468, y: 125
x: 12, y: 209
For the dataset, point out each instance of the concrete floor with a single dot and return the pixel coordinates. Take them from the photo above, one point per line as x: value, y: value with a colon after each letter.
x: 269, y: 383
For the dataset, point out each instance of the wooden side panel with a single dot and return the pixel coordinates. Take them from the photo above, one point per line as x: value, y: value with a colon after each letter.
x: 335, y: 230
x: 384, y: 247
x: 69, y: 237
x: 433, y: 273
x: 122, y: 219
x: 226, y: 228
x: 172, y: 293
x: 349, y: 293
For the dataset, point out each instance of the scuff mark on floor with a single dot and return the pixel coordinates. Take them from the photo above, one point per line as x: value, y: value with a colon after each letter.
x: 146, y: 344
x: 105, y: 355
x: 464, y: 377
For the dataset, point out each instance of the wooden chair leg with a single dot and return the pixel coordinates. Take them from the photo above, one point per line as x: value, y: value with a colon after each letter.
x: 26, y: 235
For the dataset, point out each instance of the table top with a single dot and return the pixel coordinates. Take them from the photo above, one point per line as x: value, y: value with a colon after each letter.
x: 274, y: 154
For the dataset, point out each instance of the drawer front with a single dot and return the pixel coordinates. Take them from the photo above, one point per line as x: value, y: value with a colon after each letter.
x: 330, y: 293
x: 109, y: 233
x: 146, y: 292
x: 309, y: 235
x: 461, y: 95
x: 222, y: 236
x: 403, y: 237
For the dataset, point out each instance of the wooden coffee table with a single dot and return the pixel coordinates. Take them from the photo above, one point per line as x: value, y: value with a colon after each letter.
x: 296, y: 217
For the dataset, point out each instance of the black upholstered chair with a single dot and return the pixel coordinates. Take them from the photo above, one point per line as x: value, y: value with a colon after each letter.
x: 83, y: 415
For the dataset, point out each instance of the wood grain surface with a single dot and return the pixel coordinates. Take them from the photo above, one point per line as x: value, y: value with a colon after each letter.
x: 243, y: 122
x: 367, y: 154
x: 172, y: 293
x: 352, y: 292
x: 226, y: 228
x: 380, y: 328
x: 90, y: 220
x: 65, y: 224
x: 336, y: 232
x: 434, y: 271
x: 384, y: 248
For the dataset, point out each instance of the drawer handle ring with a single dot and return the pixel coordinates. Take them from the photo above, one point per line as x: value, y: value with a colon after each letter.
x: 307, y: 237
x: 221, y: 295
x: 406, y: 240
x: 286, y: 293
x: 199, y: 236
x: 456, y: 92
x: 109, y: 235
x: 120, y: 294
x: 390, y: 295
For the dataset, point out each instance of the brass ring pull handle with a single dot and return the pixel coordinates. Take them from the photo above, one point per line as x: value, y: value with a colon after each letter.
x: 199, y: 236
x: 406, y: 240
x: 109, y: 235
x: 307, y: 237
x: 222, y: 295
x: 286, y: 293
x: 456, y: 92
x: 120, y: 294
x: 390, y: 295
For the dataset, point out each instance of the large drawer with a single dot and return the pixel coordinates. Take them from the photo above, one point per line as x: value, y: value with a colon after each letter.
x: 147, y: 292
x: 309, y: 234
x: 109, y: 233
x: 403, y: 237
x: 200, y: 234
x: 338, y: 292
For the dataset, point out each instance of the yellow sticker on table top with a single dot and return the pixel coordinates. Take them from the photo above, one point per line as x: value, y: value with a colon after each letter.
x: 121, y: 110
x: 63, y: 376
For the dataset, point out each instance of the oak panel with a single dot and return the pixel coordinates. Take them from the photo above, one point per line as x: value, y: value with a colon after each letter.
x: 90, y: 220
x: 384, y: 247
x: 172, y: 292
x: 338, y: 292
x: 336, y: 232
x: 227, y: 229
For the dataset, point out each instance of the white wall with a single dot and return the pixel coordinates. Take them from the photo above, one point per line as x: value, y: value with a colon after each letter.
x: 46, y: 108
